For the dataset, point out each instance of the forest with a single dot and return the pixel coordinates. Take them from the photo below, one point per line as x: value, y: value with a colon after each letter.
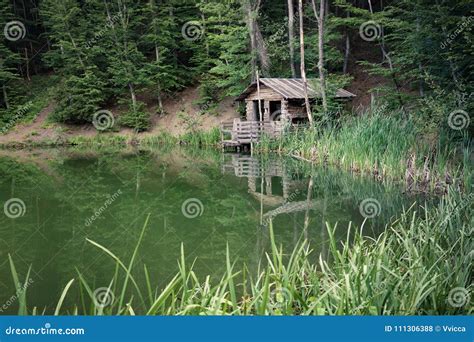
x: 97, y: 95
x: 97, y: 54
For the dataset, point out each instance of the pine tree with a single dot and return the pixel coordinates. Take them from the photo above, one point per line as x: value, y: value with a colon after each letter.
x: 8, y: 59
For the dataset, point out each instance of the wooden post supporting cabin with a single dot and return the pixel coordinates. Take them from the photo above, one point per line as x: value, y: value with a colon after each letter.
x: 266, y: 112
x: 284, y: 111
x: 259, y: 99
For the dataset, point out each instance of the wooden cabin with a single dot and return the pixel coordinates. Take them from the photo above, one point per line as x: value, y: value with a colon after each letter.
x: 270, y: 105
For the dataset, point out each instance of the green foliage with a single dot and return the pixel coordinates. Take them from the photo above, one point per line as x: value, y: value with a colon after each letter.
x: 372, y: 142
x: 79, y: 97
x: 199, y: 138
x: 125, y: 48
x: 190, y: 122
x: 226, y: 59
x: 137, y: 117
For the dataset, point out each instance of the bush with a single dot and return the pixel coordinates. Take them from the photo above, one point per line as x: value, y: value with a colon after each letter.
x: 79, y: 98
x: 137, y: 117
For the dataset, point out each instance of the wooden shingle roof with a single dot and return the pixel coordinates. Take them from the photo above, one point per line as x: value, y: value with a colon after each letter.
x: 291, y: 88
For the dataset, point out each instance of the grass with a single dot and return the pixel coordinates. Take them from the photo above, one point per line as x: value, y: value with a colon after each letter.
x: 387, y: 146
x: 421, y: 264
x: 202, y: 138
x: 197, y: 139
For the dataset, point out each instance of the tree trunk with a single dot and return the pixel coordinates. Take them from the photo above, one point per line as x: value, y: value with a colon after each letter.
x: 347, y: 50
x: 257, y: 47
x: 160, y: 102
x: 27, y: 65
x: 253, y: 40
x: 261, y: 48
x: 133, y: 96
x: 303, y: 71
x: 291, y: 34
x: 175, y: 51
x: 322, y: 79
x: 35, y: 69
x: 258, y: 96
x: 73, y: 42
x: 206, y: 41
x: 420, y: 67
x: 346, y: 53
x: 5, y: 97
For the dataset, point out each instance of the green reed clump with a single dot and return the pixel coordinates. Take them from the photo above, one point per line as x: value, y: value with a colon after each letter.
x: 199, y: 138
x: 421, y: 264
x: 98, y: 140
x: 163, y: 138
x: 387, y: 145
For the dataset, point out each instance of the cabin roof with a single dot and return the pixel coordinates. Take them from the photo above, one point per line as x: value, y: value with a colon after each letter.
x: 291, y: 88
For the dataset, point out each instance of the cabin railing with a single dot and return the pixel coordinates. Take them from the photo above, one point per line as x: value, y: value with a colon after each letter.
x: 245, y: 132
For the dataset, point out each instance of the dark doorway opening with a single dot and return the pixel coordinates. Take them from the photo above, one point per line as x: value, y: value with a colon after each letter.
x: 275, y: 110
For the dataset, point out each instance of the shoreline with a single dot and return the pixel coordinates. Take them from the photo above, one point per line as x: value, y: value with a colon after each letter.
x: 414, y: 182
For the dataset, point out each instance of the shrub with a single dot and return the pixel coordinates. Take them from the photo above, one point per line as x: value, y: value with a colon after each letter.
x: 79, y: 98
x: 137, y: 117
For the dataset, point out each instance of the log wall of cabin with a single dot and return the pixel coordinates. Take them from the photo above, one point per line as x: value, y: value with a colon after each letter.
x: 249, y: 114
x: 284, y: 110
x: 249, y: 107
x: 296, y: 109
x: 290, y: 109
x: 266, y: 95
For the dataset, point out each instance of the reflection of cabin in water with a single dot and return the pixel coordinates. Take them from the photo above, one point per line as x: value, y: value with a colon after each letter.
x: 260, y: 177
x: 271, y: 104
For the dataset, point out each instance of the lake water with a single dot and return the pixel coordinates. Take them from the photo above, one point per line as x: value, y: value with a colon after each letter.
x: 54, y: 199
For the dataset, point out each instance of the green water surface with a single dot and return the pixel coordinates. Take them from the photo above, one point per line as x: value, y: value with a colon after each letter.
x: 201, y: 199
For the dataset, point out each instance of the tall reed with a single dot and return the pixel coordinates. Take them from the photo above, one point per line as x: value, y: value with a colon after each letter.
x: 386, y: 145
x: 421, y: 264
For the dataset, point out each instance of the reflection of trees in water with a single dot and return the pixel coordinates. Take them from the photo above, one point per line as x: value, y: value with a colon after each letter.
x: 149, y: 185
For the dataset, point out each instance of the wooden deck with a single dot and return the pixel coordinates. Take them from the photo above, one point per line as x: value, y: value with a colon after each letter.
x: 248, y: 132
